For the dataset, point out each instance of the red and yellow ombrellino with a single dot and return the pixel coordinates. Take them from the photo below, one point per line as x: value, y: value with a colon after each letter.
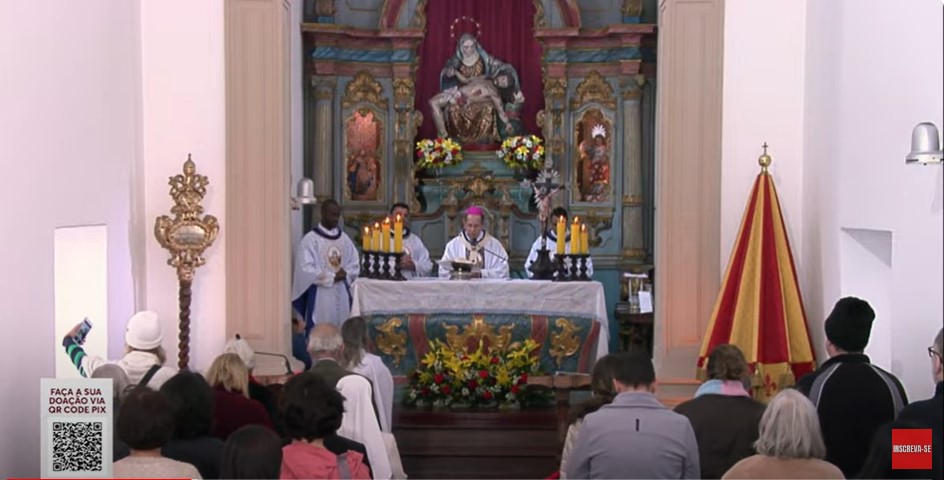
x: 759, y: 307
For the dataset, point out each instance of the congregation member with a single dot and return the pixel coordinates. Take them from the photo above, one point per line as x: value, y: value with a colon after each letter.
x: 852, y: 397
x: 312, y: 410
x: 635, y: 436
x: 360, y: 421
x: 145, y: 424
x: 415, y: 262
x: 723, y: 414
x: 300, y: 341
x: 326, y: 264
x: 789, y: 445
x: 551, y: 244
x: 356, y: 358
x: 231, y: 403
x: 930, y: 413
x: 257, y: 391
x: 144, y: 358
x: 602, y: 393
x: 120, y: 388
x: 252, y: 452
x: 191, y: 400
x: 475, y: 245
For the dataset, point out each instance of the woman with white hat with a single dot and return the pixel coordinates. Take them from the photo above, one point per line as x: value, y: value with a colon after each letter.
x: 144, y: 357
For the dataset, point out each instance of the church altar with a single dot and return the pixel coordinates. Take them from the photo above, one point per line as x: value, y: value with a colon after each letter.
x: 567, y: 319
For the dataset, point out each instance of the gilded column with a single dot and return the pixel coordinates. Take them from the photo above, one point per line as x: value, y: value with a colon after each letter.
x: 406, y: 121
x: 633, y: 200
x: 323, y: 137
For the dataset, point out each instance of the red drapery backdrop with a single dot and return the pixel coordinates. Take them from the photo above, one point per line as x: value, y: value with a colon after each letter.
x: 507, y: 33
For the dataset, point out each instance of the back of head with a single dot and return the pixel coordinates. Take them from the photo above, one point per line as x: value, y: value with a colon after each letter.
x: 325, y: 339
x: 726, y: 362
x: 252, y: 451
x: 634, y: 369
x: 229, y: 371
x: 191, y: 399
x: 601, y: 385
x: 849, y: 325
x: 146, y: 421
x: 790, y: 428
x: 354, y: 335
x: 310, y: 408
x: 120, y: 382
x: 241, y: 347
x: 143, y: 331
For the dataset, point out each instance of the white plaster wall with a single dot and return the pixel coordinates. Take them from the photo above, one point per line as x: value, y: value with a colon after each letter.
x: 763, y: 102
x: 297, y: 86
x: 69, y: 123
x: 184, y: 112
x: 874, y: 70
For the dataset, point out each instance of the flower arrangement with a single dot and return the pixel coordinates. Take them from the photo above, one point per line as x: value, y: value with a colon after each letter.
x: 437, y: 153
x: 456, y: 378
x: 523, y: 152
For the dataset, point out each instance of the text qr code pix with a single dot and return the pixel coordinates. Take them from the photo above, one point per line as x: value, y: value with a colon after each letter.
x: 77, y: 446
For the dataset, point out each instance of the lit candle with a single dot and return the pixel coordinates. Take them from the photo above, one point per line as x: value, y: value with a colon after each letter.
x: 575, y: 236
x: 584, y: 240
x: 385, y: 236
x: 365, y: 239
x: 561, y: 235
x: 398, y: 235
x: 375, y: 238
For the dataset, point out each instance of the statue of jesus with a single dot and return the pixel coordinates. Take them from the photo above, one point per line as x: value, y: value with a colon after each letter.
x: 477, y: 91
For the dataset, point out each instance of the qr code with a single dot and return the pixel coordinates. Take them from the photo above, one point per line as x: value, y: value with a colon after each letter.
x: 77, y: 446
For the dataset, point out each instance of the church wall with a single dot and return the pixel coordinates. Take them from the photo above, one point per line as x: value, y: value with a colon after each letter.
x: 70, y: 126
x: 182, y: 60
x: 873, y: 73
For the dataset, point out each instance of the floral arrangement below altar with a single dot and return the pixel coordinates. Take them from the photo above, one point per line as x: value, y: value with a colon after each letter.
x: 523, y: 152
x: 438, y: 153
x: 450, y: 378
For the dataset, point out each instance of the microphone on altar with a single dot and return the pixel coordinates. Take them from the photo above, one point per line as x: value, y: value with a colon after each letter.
x: 500, y: 256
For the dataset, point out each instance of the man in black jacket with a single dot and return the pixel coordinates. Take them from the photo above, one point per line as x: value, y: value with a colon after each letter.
x: 930, y: 413
x: 853, y: 397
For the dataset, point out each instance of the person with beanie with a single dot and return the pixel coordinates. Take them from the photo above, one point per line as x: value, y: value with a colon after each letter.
x: 853, y: 398
x: 144, y: 357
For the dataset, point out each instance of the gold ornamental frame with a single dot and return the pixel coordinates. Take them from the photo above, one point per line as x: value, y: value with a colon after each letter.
x: 186, y: 236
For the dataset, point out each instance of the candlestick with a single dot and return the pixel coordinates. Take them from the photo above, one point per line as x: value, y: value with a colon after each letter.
x: 385, y: 236
x: 365, y: 239
x: 398, y: 235
x: 584, y: 240
x: 575, y: 236
x: 561, y: 235
x: 375, y: 238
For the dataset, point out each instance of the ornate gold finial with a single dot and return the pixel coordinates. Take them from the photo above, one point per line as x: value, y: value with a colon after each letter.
x: 185, y: 237
x: 765, y: 160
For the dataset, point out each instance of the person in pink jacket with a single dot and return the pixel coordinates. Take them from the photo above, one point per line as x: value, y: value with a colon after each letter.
x: 312, y: 410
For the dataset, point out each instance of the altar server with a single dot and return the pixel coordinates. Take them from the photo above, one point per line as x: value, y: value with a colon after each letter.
x: 326, y: 264
x: 415, y: 262
x: 477, y: 246
x: 556, y: 215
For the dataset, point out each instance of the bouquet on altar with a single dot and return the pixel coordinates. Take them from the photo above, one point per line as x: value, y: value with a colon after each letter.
x: 523, y: 152
x: 437, y: 153
x: 448, y: 377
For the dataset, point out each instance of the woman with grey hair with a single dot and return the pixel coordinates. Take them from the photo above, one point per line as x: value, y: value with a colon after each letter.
x: 790, y: 443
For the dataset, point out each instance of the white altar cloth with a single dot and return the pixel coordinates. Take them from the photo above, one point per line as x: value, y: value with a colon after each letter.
x: 528, y: 297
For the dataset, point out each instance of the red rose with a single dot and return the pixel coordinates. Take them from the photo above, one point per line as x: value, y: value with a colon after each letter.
x: 445, y: 389
x: 515, y: 389
x: 523, y: 379
x: 494, y: 360
x: 487, y: 395
x: 438, y: 378
x: 472, y: 384
x: 483, y: 373
x: 465, y: 357
x: 424, y: 392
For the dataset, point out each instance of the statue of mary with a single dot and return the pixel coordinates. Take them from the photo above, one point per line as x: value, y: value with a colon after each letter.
x: 480, y: 96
